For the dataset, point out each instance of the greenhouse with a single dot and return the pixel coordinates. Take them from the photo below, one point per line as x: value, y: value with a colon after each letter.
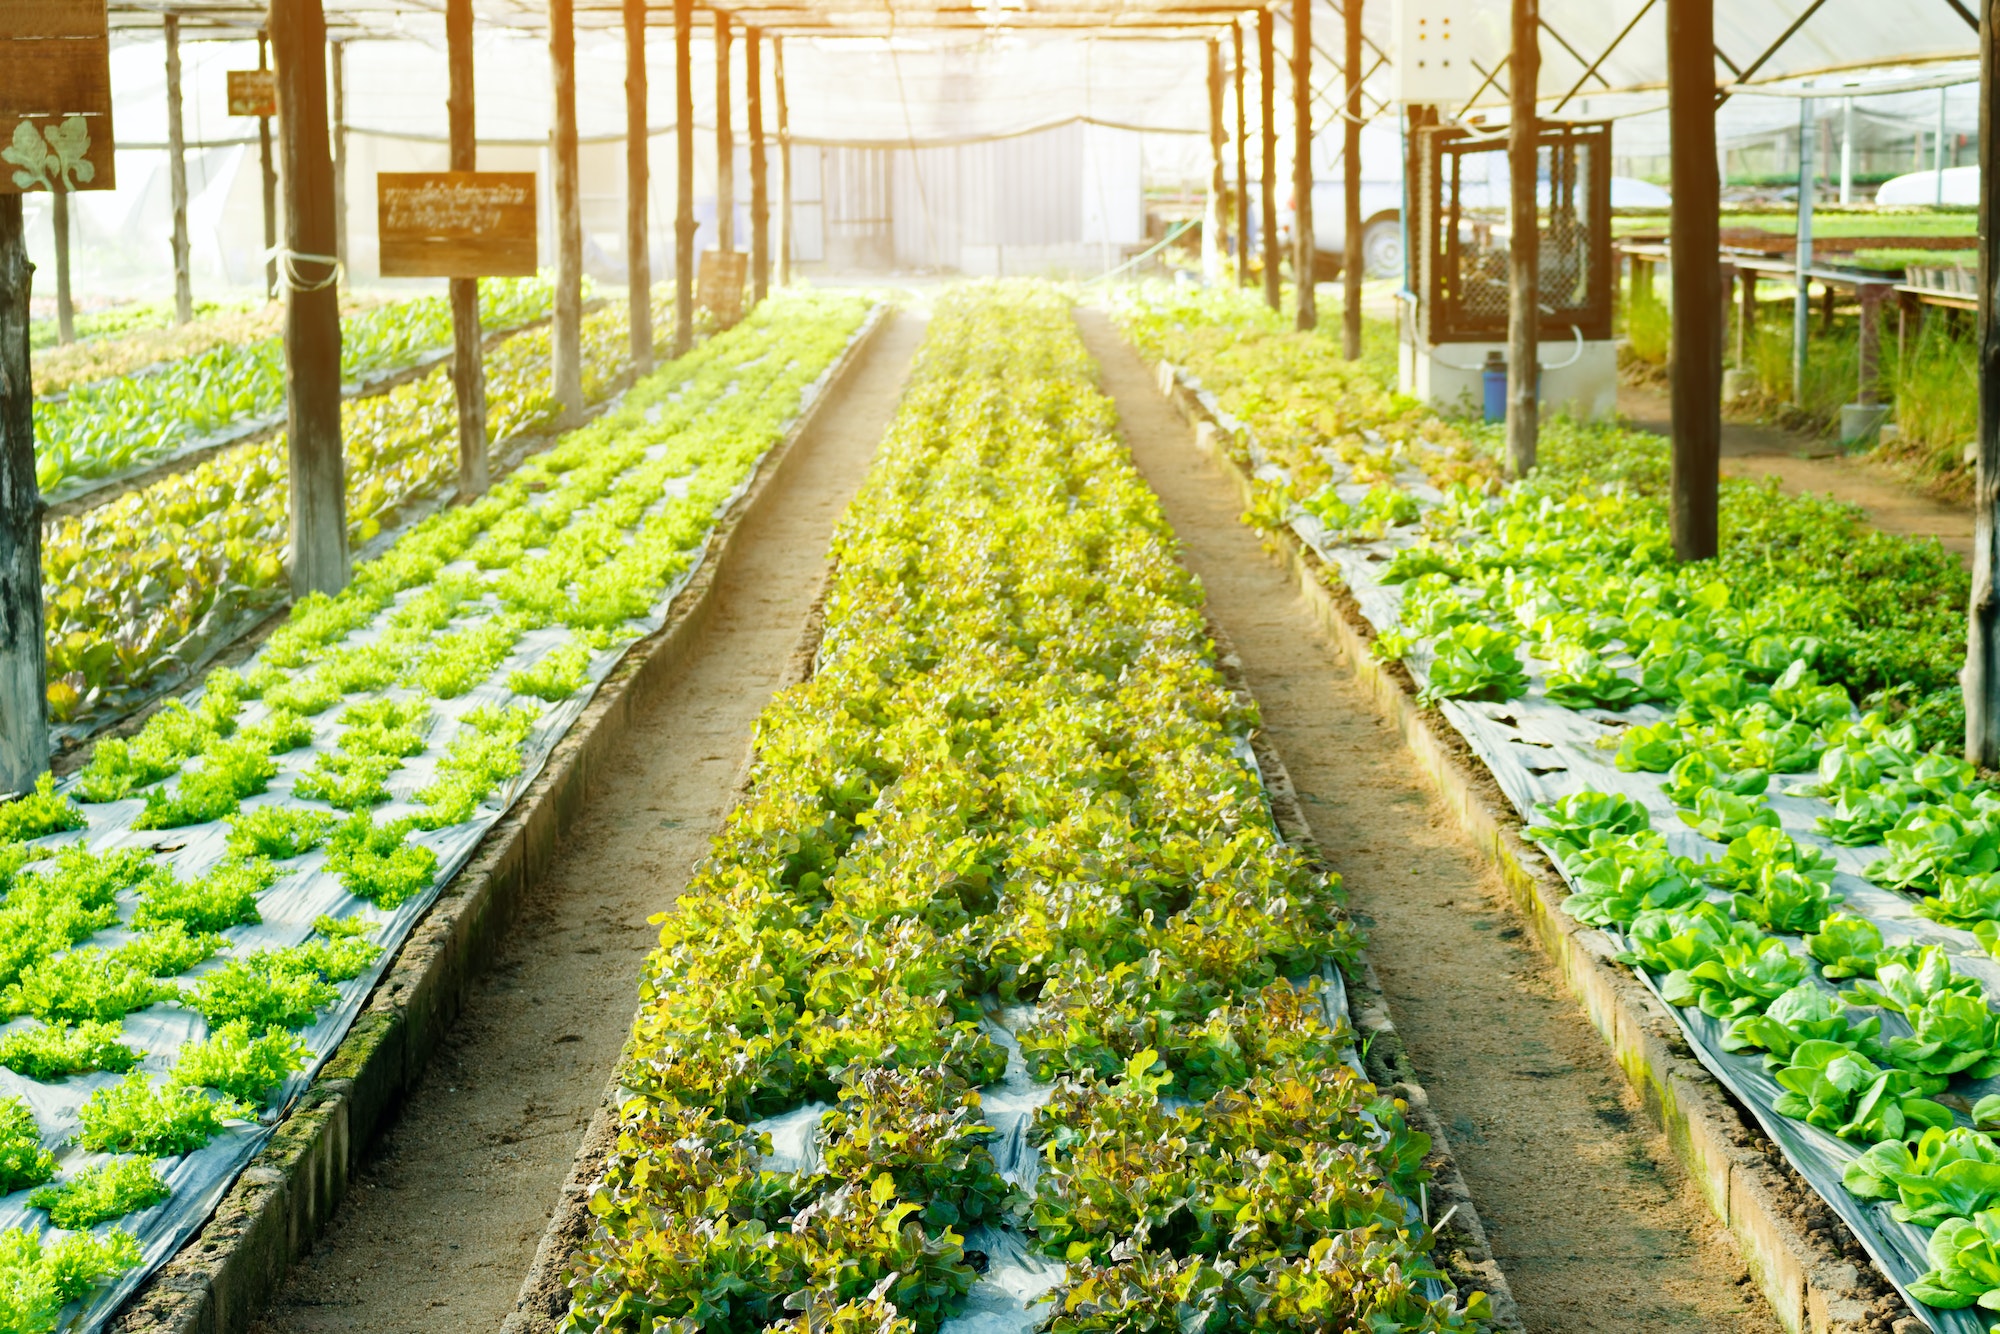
x: 830, y: 667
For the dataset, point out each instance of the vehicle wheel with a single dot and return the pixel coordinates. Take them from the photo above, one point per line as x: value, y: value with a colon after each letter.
x: 1382, y: 248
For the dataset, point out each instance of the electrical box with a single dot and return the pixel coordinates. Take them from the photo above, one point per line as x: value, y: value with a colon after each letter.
x: 1434, y: 52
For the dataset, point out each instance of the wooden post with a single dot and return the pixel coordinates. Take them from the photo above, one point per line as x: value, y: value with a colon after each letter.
x: 177, y: 179
x: 1242, y: 160
x: 760, y: 194
x: 1350, y: 314
x: 270, y: 180
x: 784, y: 163
x: 567, y: 327
x: 24, y: 724
x: 1869, y: 348
x: 340, y: 161
x: 1982, y: 636
x: 638, y: 177
x: 683, y: 176
x: 1524, y: 244
x: 1267, y: 203
x: 725, y: 141
x: 468, y: 366
x: 1304, y: 246
x: 1695, y: 224
x: 65, y: 307
x: 1213, y: 246
x: 1746, y: 316
x: 312, y: 305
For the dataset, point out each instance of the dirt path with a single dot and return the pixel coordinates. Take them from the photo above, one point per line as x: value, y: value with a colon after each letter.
x: 1588, y: 1212
x: 444, y: 1218
x: 1805, y: 466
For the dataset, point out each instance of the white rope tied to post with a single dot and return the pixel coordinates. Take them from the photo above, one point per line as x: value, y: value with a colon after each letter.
x: 289, y: 260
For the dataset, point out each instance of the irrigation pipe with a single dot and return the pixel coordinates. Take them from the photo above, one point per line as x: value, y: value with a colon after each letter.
x: 1180, y: 229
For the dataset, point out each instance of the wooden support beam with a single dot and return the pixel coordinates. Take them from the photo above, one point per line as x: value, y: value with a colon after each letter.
x: 725, y: 141
x: 1350, y: 154
x: 1746, y: 316
x: 1696, y: 228
x: 1267, y: 128
x: 340, y: 162
x: 65, y: 306
x: 177, y: 180
x: 638, y: 180
x: 1305, y: 249
x: 1869, y: 347
x: 1982, y: 635
x: 760, y: 194
x: 683, y: 176
x: 784, y: 163
x: 1524, y: 317
x: 567, y: 327
x: 270, y: 182
x: 468, y: 364
x: 1214, y: 248
x: 318, y: 491
x: 1242, y: 160
x: 24, y: 725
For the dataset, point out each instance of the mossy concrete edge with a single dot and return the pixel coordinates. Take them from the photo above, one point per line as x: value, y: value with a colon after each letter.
x: 1810, y: 1285
x: 229, y: 1271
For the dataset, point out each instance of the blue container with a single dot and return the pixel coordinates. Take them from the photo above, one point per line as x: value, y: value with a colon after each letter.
x: 1494, y: 373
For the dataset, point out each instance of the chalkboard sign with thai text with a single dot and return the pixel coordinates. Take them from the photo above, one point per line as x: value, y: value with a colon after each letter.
x: 456, y: 224
x: 55, y: 96
x: 719, y: 283
x: 253, y: 92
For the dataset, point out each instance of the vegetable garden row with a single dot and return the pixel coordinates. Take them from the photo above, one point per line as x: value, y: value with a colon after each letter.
x: 143, y: 588
x: 1742, y: 767
x: 1001, y: 987
x: 191, y: 922
x: 137, y: 414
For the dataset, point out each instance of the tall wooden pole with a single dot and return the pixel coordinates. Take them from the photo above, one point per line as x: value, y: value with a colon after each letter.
x: 24, y: 725
x: 65, y: 307
x: 270, y: 181
x: 683, y: 176
x: 177, y: 179
x: 638, y: 179
x: 468, y: 365
x: 1524, y: 243
x: 1696, y: 360
x: 1350, y: 152
x: 340, y: 162
x: 784, y: 163
x: 1304, y: 246
x: 567, y: 341
x: 1982, y: 647
x: 760, y: 194
x: 1267, y: 121
x: 1214, y: 250
x: 725, y: 141
x: 1242, y: 160
x: 312, y: 305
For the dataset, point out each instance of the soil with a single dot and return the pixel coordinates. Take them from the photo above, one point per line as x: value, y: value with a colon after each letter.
x: 1589, y: 1214
x: 1804, y: 465
x: 446, y: 1212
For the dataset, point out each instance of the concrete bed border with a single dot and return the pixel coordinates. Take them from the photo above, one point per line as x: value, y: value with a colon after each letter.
x: 229, y: 1270
x: 1804, y: 1261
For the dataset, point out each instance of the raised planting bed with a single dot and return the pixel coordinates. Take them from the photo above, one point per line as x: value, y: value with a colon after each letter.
x: 1808, y: 935
x: 141, y: 591
x: 1002, y: 1001
x: 93, y: 432
x: 198, y: 916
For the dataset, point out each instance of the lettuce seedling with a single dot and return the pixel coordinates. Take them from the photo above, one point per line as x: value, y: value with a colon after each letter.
x: 1964, y: 900
x: 225, y: 897
x: 1934, y: 841
x: 1700, y: 770
x: 1738, y: 979
x: 1965, y: 1264
x: 1652, y: 748
x: 346, y: 780
x: 1806, y: 1013
x: 1581, y: 679
x: 1846, y: 946
x: 1951, y: 1173
x: 1786, y: 901
x: 23, y: 1160
x: 1475, y: 661
x: 556, y: 677
x: 1744, y: 860
x: 1723, y: 816
x: 136, y: 1115
x: 231, y: 1061
x: 54, y: 1051
x: 377, y: 863
x: 278, y: 832
x: 1908, y: 987
x: 41, y: 1277
x: 1837, y: 1089
x: 39, y: 812
x: 1567, y: 824
x: 1955, y: 1033
x: 101, y: 1193
x: 268, y: 989
x: 1621, y: 877
x: 230, y: 771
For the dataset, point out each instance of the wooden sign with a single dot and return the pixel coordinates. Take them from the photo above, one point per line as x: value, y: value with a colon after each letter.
x: 253, y: 92
x: 55, y: 96
x: 456, y: 224
x: 719, y: 283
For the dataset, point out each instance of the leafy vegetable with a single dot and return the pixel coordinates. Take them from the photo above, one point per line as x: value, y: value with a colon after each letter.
x: 100, y: 1193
